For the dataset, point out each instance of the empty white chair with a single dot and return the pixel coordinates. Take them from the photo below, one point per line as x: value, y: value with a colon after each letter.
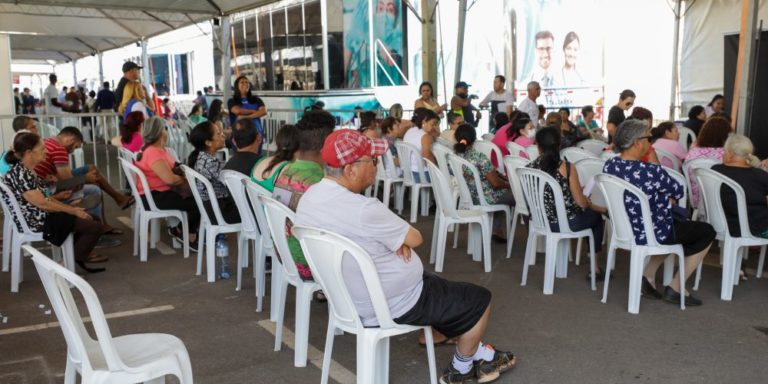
x: 596, y: 147
x: 515, y: 149
x: 277, y: 217
x: 533, y: 183
x: 206, y: 236
x: 249, y: 232
x: 418, y: 189
x: 124, y: 359
x: 18, y: 237
x: 623, y: 237
x: 734, y: 248
x: 458, y: 165
x: 667, y: 159
x: 686, y: 134
x: 324, y: 252
x: 491, y: 151
x: 521, y: 208
x: 142, y: 216
x: 574, y: 154
x: 447, y: 214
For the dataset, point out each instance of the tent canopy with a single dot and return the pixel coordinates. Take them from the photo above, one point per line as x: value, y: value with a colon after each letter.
x: 66, y: 30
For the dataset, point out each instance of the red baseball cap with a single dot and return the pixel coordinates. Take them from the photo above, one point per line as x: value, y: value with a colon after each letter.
x: 346, y: 146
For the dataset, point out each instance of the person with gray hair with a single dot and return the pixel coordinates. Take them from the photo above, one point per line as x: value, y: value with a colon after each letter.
x: 165, y: 178
x: 528, y: 105
x: 631, y: 141
x: 743, y: 167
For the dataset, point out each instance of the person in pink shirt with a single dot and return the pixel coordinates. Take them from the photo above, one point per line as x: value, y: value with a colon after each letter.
x: 130, y: 133
x: 521, y: 131
x: 665, y: 137
x: 709, y: 144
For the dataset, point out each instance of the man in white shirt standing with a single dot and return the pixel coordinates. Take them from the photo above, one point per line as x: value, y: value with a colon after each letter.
x: 52, y: 104
x: 500, y: 99
x: 457, y: 310
x: 528, y: 105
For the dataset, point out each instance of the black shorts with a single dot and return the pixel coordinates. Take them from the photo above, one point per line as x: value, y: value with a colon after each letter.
x: 694, y: 236
x: 452, y: 308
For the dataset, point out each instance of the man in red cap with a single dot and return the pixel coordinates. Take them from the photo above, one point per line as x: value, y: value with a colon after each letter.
x: 457, y: 310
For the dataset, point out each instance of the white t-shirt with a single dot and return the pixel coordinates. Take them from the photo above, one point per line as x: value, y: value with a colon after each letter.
x: 529, y: 107
x: 379, y: 231
x: 51, y: 93
x: 501, y: 100
x: 413, y: 136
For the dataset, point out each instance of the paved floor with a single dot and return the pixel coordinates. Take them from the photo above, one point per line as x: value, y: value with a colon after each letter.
x: 568, y: 337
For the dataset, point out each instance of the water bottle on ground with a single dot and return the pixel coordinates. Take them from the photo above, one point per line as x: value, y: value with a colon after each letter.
x: 222, y: 257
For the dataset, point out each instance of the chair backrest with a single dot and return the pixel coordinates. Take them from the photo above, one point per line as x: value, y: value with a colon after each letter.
x: 80, y: 346
x: 574, y: 154
x: 533, y: 183
x: 487, y: 136
x: 406, y: 152
x: 690, y: 178
x: 126, y: 154
x: 532, y: 151
x: 444, y: 141
x: 388, y: 162
x: 512, y: 163
x: 325, y: 252
x: 711, y: 183
x: 490, y: 150
x: 234, y: 182
x: 252, y: 193
x: 606, y: 155
x: 587, y: 169
x: 443, y: 191
x: 458, y: 164
x: 278, y: 216
x: 14, y: 209
x: 515, y: 149
x: 596, y: 147
x: 667, y: 159
x: 680, y: 179
x: 135, y: 175
x: 195, y: 179
x: 685, y: 135
x: 441, y: 153
x: 614, y: 189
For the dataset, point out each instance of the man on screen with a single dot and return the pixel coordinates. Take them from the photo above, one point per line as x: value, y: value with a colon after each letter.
x: 542, y: 73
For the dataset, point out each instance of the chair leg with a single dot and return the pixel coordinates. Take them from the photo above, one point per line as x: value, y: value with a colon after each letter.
x: 669, y: 269
x: 301, y: 342
x: 440, y: 239
x: 329, y: 336
x: 434, y: 247
x: 242, y: 256
x: 16, y: 269
x: 275, y: 290
x: 280, y: 309
x: 511, y: 234
x: 137, y: 218
x: 210, y: 254
x: 7, y: 234
x: 382, y: 361
x: 385, y: 193
x: 185, y: 234
x: 529, y: 250
x: 610, y: 260
x: 485, y: 234
x: 726, y: 287
x: 366, y: 355
x: 636, y: 264
x: 681, y: 261
x: 562, y: 258
x: 414, y: 203
x: 761, y: 262
x: 740, y: 256
x: 578, y: 251
x: 550, y: 259
x: 144, y: 239
x: 259, y: 260
x: 70, y: 373
x: 592, y: 260
x: 430, y: 355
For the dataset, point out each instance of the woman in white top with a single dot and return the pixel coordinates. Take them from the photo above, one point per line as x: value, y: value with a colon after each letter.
x: 422, y: 135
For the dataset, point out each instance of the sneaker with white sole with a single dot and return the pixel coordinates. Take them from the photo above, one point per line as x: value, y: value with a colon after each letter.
x: 452, y: 376
x: 488, y: 371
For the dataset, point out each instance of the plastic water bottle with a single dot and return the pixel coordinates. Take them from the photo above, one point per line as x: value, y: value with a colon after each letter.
x: 222, y: 256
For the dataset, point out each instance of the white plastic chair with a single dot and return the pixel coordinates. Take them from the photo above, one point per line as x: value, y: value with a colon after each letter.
x: 623, y: 237
x: 606, y: 155
x: 487, y: 136
x: 386, y: 173
x: 596, y: 147
x: 143, y: 216
x: 686, y: 134
x: 516, y: 149
x: 324, y: 252
x: 420, y: 189
x: 458, y: 164
x: 253, y: 191
x: 124, y: 359
x: 666, y: 158
x: 669, y: 263
x: 690, y: 179
x: 520, y: 210
x: 734, y: 248
x: 491, y: 150
x: 532, y: 151
x: 587, y: 169
x: 278, y: 215
x: 533, y: 183
x: 573, y: 154
x: 206, y: 236
x: 447, y: 214
x: 20, y: 236
x: 249, y: 232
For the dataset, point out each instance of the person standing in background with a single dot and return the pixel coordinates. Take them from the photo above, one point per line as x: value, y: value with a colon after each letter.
x: 616, y: 113
x: 130, y: 73
x: 528, y: 105
x: 500, y: 99
x: 461, y: 104
x: 17, y: 103
x: 28, y: 102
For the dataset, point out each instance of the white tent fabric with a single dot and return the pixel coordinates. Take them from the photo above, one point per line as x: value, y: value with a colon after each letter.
x: 701, y: 60
x: 66, y: 30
